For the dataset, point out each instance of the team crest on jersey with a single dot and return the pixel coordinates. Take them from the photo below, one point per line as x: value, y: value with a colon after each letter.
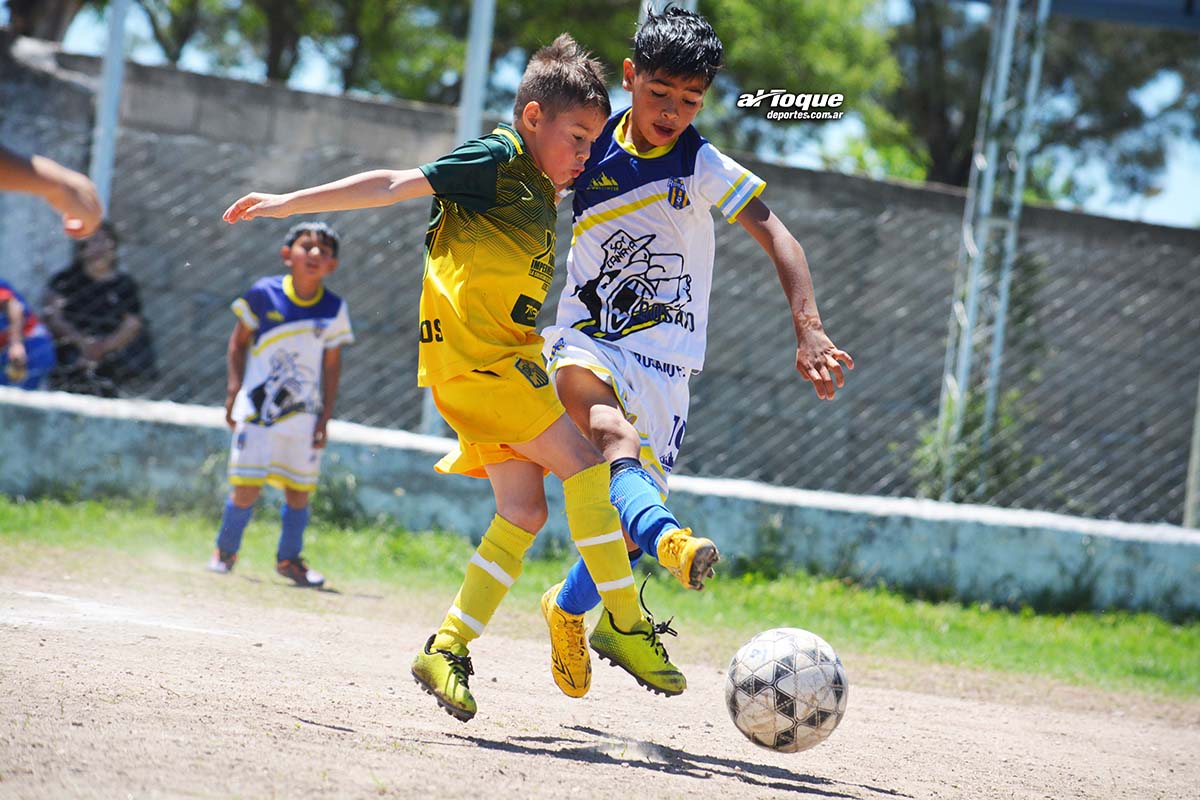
x: 533, y: 373
x: 319, y: 326
x: 677, y: 193
x: 274, y: 316
x: 604, y: 183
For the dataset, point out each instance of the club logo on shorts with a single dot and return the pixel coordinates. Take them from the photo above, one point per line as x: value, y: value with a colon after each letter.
x: 533, y: 373
x: 677, y: 193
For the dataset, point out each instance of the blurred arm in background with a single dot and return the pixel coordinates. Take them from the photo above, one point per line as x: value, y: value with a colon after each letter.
x: 69, y: 192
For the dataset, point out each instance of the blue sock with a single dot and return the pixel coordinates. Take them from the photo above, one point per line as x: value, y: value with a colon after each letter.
x: 636, y: 497
x: 291, y: 534
x: 234, y: 520
x: 579, y: 594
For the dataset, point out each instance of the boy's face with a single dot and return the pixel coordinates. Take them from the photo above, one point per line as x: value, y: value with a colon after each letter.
x: 560, y: 144
x: 663, y: 105
x: 309, y: 258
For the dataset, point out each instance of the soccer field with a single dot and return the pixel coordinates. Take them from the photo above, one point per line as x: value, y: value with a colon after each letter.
x: 149, y: 678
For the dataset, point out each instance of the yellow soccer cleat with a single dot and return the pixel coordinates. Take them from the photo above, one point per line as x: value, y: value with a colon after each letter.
x: 570, y: 663
x: 443, y: 673
x: 639, y: 652
x: 689, y: 558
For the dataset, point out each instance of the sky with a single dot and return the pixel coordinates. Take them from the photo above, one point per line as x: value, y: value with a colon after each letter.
x: 1177, y: 204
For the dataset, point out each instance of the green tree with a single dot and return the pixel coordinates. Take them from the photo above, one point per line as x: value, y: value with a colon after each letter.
x: 1093, y: 105
x: 42, y: 19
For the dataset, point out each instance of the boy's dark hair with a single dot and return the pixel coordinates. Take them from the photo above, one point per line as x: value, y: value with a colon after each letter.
x: 560, y: 77
x: 678, y: 42
x: 322, y: 231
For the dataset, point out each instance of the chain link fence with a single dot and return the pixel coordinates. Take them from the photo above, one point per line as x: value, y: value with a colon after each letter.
x: 1100, y: 368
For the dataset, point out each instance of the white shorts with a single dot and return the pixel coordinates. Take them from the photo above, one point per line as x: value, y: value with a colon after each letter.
x: 260, y: 454
x: 653, y: 395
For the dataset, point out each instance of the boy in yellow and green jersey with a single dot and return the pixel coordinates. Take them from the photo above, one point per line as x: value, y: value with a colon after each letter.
x: 489, y: 252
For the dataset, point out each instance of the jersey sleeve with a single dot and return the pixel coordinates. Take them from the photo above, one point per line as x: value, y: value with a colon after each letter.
x: 340, y: 333
x: 724, y: 183
x: 248, y: 306
x: 467, y: 175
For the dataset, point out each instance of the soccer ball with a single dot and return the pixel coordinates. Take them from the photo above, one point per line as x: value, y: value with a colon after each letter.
x: 786, y: 690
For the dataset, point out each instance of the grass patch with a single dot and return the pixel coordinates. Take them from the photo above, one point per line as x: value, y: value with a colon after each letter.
x: 1114, y: 651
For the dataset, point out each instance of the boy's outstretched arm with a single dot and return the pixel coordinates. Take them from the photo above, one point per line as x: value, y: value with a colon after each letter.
x: 70, y: 193
x: 817, y: 358
x: 380, y: 187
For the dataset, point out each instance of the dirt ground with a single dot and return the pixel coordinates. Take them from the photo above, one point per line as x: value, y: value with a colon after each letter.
x: 155, y: 679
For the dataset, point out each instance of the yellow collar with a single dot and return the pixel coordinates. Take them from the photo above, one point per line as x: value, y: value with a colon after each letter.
x: 621, y: 135
x: 290, y: 291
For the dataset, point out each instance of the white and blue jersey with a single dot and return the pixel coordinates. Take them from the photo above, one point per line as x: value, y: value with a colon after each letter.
x: 640, y: 268
x: 282, y: 385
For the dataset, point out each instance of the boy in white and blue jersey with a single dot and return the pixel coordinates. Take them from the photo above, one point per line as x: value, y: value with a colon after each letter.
x: 632, y: 320
x: 284, y: 366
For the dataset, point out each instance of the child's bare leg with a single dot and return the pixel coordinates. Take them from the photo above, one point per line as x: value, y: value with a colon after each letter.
x: 595, y: 527
x: 496, y: 564
x: 443, y: 668
x: 239, y: 508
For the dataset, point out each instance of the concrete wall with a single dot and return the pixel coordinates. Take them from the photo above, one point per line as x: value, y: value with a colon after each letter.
x: 92, y: 447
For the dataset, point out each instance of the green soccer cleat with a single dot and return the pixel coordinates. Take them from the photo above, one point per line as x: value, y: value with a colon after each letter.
x: 639, y: 652
x: 570, y: 663
x: 689, y: 558
x: 443, y: 673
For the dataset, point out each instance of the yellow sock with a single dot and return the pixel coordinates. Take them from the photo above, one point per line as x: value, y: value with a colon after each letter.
x: 493, y: 568
x: 596, y: 531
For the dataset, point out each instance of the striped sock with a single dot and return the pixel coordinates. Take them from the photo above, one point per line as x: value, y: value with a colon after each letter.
x: 596, y: 531
x: 578, y: 594
x: 493, y: 568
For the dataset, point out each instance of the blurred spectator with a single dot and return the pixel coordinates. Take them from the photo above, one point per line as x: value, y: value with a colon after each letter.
x: 26, y: 348
x: 95, y: 314
x: 71, y: 194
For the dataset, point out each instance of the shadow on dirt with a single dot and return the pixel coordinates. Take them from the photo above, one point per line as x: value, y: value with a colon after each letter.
x: 596, y: 747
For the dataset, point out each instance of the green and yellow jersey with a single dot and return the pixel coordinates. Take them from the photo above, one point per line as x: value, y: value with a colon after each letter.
x: 489, y: 256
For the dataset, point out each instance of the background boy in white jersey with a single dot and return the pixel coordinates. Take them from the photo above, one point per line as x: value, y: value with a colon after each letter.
x: 632, y: 319
x: 285, y: 363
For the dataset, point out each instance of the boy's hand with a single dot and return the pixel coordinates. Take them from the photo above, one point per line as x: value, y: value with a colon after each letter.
x: 17, y: 367
x: 229, y: 400
x: 320, y: 436
x: 817, y: 361
x: 256, y: 204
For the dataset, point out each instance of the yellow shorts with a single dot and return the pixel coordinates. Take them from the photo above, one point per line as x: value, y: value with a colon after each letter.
x: 507, y: 402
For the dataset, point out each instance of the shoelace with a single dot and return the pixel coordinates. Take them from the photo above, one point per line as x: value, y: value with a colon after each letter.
x: 459, y: 665
x: 656, y: 628
x: 577, y: 635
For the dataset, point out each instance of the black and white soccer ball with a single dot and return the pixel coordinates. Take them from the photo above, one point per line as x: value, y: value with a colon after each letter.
x: 786, y: 690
